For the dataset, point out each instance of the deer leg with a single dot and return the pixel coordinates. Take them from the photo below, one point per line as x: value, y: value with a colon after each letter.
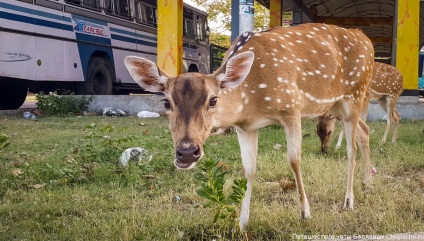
x: 362, y: 137
x: 339, y: 141
x: 385, y: 105
x: 350, y: 129
x: 365, y: 108
x: 248, y: 141
x: 294, y: 140
x: 396, y: 119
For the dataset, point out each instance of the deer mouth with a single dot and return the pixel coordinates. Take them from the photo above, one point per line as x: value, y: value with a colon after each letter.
x: 184, y: 165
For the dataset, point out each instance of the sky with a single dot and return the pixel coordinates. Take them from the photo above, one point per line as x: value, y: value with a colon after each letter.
x: 193, y: 4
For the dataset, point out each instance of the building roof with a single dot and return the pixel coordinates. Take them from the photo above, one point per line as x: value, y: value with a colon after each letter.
x: 374, y: 17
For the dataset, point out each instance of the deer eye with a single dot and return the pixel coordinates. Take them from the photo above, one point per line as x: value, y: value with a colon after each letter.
x: 166, y: 104
x: 212, y: 101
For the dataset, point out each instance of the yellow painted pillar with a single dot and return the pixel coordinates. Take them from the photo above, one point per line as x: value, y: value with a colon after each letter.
x: 408, y: 21
x: 275, y: 13
x: 170, y: 36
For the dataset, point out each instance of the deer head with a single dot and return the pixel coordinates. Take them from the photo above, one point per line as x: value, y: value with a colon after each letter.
x: 190, y: 119
x: 325, y: 130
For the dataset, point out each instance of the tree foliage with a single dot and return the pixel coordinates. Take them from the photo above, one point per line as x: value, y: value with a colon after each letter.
x: 219, y: 11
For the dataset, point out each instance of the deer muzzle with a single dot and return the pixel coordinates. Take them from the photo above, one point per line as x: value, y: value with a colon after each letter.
x: 186, y: 157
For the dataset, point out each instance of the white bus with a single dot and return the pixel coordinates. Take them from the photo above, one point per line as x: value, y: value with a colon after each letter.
x: 79, y: 45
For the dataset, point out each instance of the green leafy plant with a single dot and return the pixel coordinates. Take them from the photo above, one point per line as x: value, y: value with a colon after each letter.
x: 225, y: 207
x: 4, y: 141
x: 53, y: 104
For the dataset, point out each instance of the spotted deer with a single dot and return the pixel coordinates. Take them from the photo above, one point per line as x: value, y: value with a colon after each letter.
x: 386, y: 86
x: 278, y: 76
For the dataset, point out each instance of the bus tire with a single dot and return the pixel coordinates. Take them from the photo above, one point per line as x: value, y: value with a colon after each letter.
x: 99, y: 80
x: 12, y: 95
x: 193, y: 68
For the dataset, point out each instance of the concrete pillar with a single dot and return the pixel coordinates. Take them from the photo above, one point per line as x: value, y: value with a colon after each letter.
x: 170, y: 36
x: 406, y: 45
x: 297, y: 12
x: 275, y: 11
x: 234, y: 19
x: 246, y: 15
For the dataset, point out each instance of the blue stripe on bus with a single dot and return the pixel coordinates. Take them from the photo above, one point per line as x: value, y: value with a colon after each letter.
x: 35, y: 12
x: 35, y: 21
x: 132, y: 40
x: 92, y: 39
x: 98, y: 22
x: 132, y: 34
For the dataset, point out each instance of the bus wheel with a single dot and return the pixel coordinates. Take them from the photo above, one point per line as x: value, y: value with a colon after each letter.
x: 193, y: 68
x: 12, y: 96
x: 99, y: 79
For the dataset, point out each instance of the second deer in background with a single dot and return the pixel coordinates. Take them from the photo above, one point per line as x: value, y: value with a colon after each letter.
x: 386, y: 86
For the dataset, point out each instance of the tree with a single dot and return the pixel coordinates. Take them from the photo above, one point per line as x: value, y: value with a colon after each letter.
x: 219, y: 11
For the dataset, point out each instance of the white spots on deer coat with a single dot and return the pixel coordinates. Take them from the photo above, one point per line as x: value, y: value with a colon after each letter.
x: 267, y: 98
x: 263, y: 86
x: 262, y: 66
x: 240, y: 108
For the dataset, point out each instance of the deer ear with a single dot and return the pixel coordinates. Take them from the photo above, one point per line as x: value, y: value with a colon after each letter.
x: 146, y: 73
x: 236, y: 71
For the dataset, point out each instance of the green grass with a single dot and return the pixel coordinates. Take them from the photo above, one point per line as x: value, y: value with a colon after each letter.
x: 84, y: 200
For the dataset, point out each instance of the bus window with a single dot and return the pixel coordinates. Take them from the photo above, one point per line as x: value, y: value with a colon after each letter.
x: 145, y: 13
x: 189, y: 24
x: 93, y: 4
x: 118, y: 7
x: 201, y: 28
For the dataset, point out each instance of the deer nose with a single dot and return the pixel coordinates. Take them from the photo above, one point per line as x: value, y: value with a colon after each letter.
x: 188, y: 155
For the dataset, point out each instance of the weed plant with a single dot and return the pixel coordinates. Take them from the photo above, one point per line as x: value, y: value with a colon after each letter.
x: 53, y: 104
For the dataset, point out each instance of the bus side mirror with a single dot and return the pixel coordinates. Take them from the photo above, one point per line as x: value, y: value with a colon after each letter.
x: 207, y: 32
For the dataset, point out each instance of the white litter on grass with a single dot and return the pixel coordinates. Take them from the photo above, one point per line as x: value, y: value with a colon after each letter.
x: 110, y: 111
x: 136, y: 154
x: 147, y: 114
